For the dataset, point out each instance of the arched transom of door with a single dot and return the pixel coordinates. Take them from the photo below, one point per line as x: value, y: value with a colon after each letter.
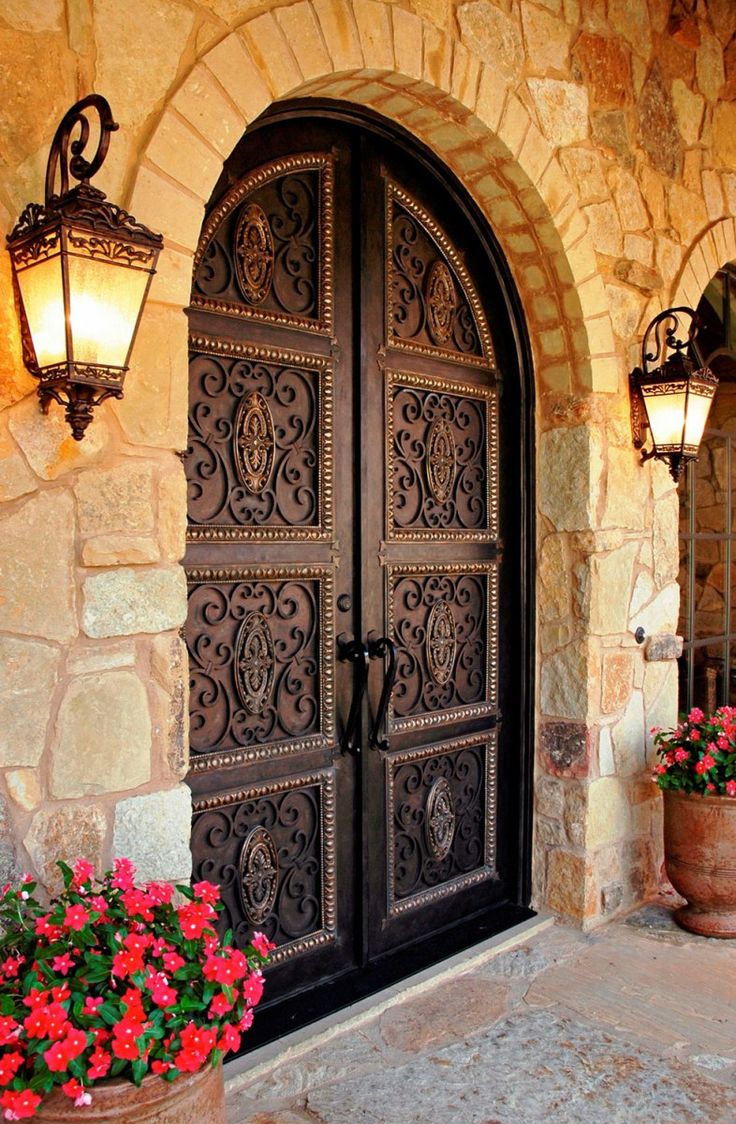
x: 345, y: 558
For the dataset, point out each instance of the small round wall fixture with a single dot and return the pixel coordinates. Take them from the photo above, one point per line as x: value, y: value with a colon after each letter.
x: 672, y: 391
x: 82, y: 268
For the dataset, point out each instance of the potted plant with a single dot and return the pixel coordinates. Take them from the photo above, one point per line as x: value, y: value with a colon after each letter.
x: 118, y: 1001
x: 697, y: 773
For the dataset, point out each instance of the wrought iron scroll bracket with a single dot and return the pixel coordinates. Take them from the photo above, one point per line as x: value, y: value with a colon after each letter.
x: 81, y: 169
x: 379, y: 649
x: 355, y: 652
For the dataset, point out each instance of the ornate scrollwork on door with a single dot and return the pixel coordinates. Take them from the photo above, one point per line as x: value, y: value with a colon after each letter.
x: 432, y: 306
x: 271, y: 849
x: 258, y: 875
x: 441, y: 819
x: 259, y: 461
x: 441, y: 642
x: 442, y: 459
x: 443, y: 620
x: 260, y: 645
x: 266, y: 250
x: 255, y: 660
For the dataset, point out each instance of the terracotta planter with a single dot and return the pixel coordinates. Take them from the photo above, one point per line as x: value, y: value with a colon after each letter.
x: 191, y: 1099
x: 700, y: 856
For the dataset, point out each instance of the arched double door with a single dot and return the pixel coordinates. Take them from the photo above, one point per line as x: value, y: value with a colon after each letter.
x: 358, y: 673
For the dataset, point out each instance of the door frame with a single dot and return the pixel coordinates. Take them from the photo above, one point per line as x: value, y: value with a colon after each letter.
x: 516, y: 463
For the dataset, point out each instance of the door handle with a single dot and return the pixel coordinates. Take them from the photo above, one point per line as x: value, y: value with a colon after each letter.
x: 353, y: 651
x: 378, y: 649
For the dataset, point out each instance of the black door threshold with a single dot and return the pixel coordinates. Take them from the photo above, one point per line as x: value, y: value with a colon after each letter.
x: 278, y: 1019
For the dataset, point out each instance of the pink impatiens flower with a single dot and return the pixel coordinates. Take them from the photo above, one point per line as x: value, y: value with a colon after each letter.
x: 730, y: 788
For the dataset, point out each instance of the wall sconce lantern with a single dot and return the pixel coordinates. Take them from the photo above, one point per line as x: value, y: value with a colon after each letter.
x: 82, y: 268
x: 674, y: 398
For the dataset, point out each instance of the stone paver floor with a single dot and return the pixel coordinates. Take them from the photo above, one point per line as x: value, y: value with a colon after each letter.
x: 633, y: 1022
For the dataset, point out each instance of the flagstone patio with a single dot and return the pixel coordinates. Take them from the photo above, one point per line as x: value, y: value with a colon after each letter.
x: 635, y: 1021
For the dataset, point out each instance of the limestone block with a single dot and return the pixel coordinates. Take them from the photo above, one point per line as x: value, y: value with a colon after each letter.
x: 550, y: 797
x: 103, y: 736
x: 564, y: 748
x: 569, y: 886
x: 660, y: 700
x: 687, y: 210
x: 609, y: 132
x: 116, y: 499
x: 96, y: 655
x: 629, y: 745
x: 408, y: 43
x: 24, y: 787
x: 34, y: 15
x: 712, y: 193
x: 153, y: 832
x: 627, y: 490
x: 605, y: 228
x: 154, y: 409
x: 28, y: 676
x: 606, y: 763
x: 575, y: 815
x: 658, y: 131
x: 664, y: 646
x: 570, y: 469
x: 37, y: 586
x: 125, y: 601
x: 266, y: 40
x: 134, y: 79
x: 562, y: 108
x: 625, y: 311
x: 564, y: 683
x: 643, y: 592
x: 116, y: 550
x: 553, y: 577
x: 169, y: 669
x: 9, y: 869
x: 660, y: 615
x: 301, y: 30
x: 628, y: 200
x: 172, y: 282
x: 16, y: 478
x: 491, y: 34
x: 612, y: 579
x: 618, y: 671
x: 640, y: 276
x: 172, y: 511
x: 184, y: 155
x: 340, y: 33
x: 608, y: 817
x: 583, y: 166
x: 604, y: 65
x: 73, y: 831
x: 665, y: 539
x: 689, y: 110
x: 547, y: 39
x: 639, y: 247
x: 724, y: 134
x: 46, y: 440
x: 631, y: 21
x: 167, y: 208
x: 709, y: 66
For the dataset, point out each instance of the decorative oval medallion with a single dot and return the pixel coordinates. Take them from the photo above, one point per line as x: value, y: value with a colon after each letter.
x: 254, y: 254
x: 440, y: 459
x: 441, y: 302
x: 254, y: 443
x: 441, y: 642
x: 258, y: 875
x: 439, y: 820
x: 254, y: 662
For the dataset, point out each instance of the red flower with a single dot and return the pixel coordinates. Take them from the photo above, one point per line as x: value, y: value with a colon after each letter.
x: 125, y: 1038
x: 49, y: 1021
x: 206, y: 892
x: 19, y: 1105
x: 159, y: 893
x: 77, y: 1092
x: 9, y: 1030
x: 138, y: 904
x: 76, y: 917
x: 9, y: 1066
x: 99, y: 1064
x: 695, y: 735
x: 83, y: 872
x: 681, y: 755
x: 10, y: 967
x: 730, y: 788
x: 220, y: 1005
x: 173, y: 961
x: 124, y: 874
x: 194, y: 919
x: 253, y: 988
x: 262, y: 944
x: 92, y: 1006
x: 63, y: 963
x: 58, y: 1056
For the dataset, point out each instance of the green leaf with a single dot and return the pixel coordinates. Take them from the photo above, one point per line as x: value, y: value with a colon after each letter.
x: 140, y: 1068
x: 66, y: 872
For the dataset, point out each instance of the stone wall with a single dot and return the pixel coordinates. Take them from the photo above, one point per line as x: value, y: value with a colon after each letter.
x: 598, y: 136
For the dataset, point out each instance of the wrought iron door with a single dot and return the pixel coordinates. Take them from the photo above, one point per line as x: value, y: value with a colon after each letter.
x: 344, y: 558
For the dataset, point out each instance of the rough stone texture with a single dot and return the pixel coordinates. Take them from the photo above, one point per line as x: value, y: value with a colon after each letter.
x: 112, y: 550
x: 567, y: 879
x: 629, y: 745
x: 658, y: 130
x: 724, y: 134
x: 426, y: 1021
x: 604, y: 66
x: 492, y: 35
x: 611, y: 582
x: 24, y: 787
x: 116, y: 500
x: 618, y: 670
x: 37, y: 590
x: 103, y: 736
x: 564, y: 685
x: 660, y: 615
x: 124, y: 601
x: 153, y: 831
x: 565, y: 747
x: 9, y: 869
x: 689, y: 110
x: 572, y: 458
x: 46, y: 440
x: 28, y: 676
x: 609, y: 132
x: 547, y: 39
x: 627, y: 487
x: 552, y: 574
x: 169, y: 668
x: 172, y: 512
x: 68, y: 832
x: 16, y: 478
x: 664, y: 646
x: 562, y: 108
x: 606, y: 763
x: 88, y: 656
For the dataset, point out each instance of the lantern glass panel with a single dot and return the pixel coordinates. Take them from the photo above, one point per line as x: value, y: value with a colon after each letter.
x: 42, y: 294
x: 105, y: 298
x: 698, y: 408
x: 666, y: 413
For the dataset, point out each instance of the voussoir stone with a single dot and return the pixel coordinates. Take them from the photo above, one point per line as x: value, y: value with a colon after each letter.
x: 74, y: 831
x: 153, y: 831
x: 37, y: 585
x: 125, y: 601
x: 28, y: 675
x: 103, y: 736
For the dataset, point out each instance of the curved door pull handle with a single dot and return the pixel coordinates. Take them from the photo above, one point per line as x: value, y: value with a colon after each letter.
x: 377, y: 649
x: 353, y: 651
